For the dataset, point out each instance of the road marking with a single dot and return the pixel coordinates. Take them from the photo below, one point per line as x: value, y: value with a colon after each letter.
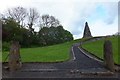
x: 73, y: 54
x: 89, y: 55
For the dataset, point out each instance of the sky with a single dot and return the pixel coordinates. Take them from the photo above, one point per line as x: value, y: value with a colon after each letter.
x: 101, y: 15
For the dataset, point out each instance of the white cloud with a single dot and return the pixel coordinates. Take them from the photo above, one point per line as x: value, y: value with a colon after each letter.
x: 99, y: 28
x: 112, y: 11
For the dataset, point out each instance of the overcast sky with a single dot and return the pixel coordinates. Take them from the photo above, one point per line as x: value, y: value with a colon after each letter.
x: 101, y: 15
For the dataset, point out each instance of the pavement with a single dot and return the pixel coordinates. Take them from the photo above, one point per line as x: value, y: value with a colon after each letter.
x: 80, y: 66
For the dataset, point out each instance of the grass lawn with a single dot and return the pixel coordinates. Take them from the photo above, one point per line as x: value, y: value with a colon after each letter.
x: 55, y: 53
x: 97, y: 48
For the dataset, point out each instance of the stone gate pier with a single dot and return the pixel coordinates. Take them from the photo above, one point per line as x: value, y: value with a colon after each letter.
x: 14, y: 60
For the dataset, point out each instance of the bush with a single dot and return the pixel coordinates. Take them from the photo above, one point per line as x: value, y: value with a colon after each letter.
x: 5, y: 46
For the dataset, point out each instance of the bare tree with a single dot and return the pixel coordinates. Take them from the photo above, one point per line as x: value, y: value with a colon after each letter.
x: 18, y: 14
x: 45, y: 20
x: 49, y: 21
x: 33, y: 16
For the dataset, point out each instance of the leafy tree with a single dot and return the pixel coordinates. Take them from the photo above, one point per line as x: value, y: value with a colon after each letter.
x: 54, y: 35
x: 11, y: 30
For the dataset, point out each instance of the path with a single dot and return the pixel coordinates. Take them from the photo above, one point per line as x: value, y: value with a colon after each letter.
x: 71, y: 69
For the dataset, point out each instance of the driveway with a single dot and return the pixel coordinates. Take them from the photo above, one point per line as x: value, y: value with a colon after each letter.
x: 80, y: 66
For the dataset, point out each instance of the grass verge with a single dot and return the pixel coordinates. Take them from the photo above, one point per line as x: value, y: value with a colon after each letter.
x: 96, y: 48
x: 54, y: 53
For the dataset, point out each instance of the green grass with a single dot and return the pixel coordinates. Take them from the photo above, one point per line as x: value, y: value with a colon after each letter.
x: 55, y: 53
x: 96, y: 48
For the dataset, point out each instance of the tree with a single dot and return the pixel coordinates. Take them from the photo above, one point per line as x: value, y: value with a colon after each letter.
x: 54, y: 35
x: 11, y: 31
x: 49, y: 21
x: 53, y: 22
x: 33, y: 16
x: 18, y: 14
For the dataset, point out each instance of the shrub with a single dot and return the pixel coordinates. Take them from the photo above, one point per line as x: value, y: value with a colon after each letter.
x: 5, y: 46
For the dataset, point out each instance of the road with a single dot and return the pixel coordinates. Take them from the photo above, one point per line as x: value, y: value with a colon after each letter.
x: 80, y: 63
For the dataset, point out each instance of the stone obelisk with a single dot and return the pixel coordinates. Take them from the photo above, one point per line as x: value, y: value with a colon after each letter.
x: 87, y: 33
